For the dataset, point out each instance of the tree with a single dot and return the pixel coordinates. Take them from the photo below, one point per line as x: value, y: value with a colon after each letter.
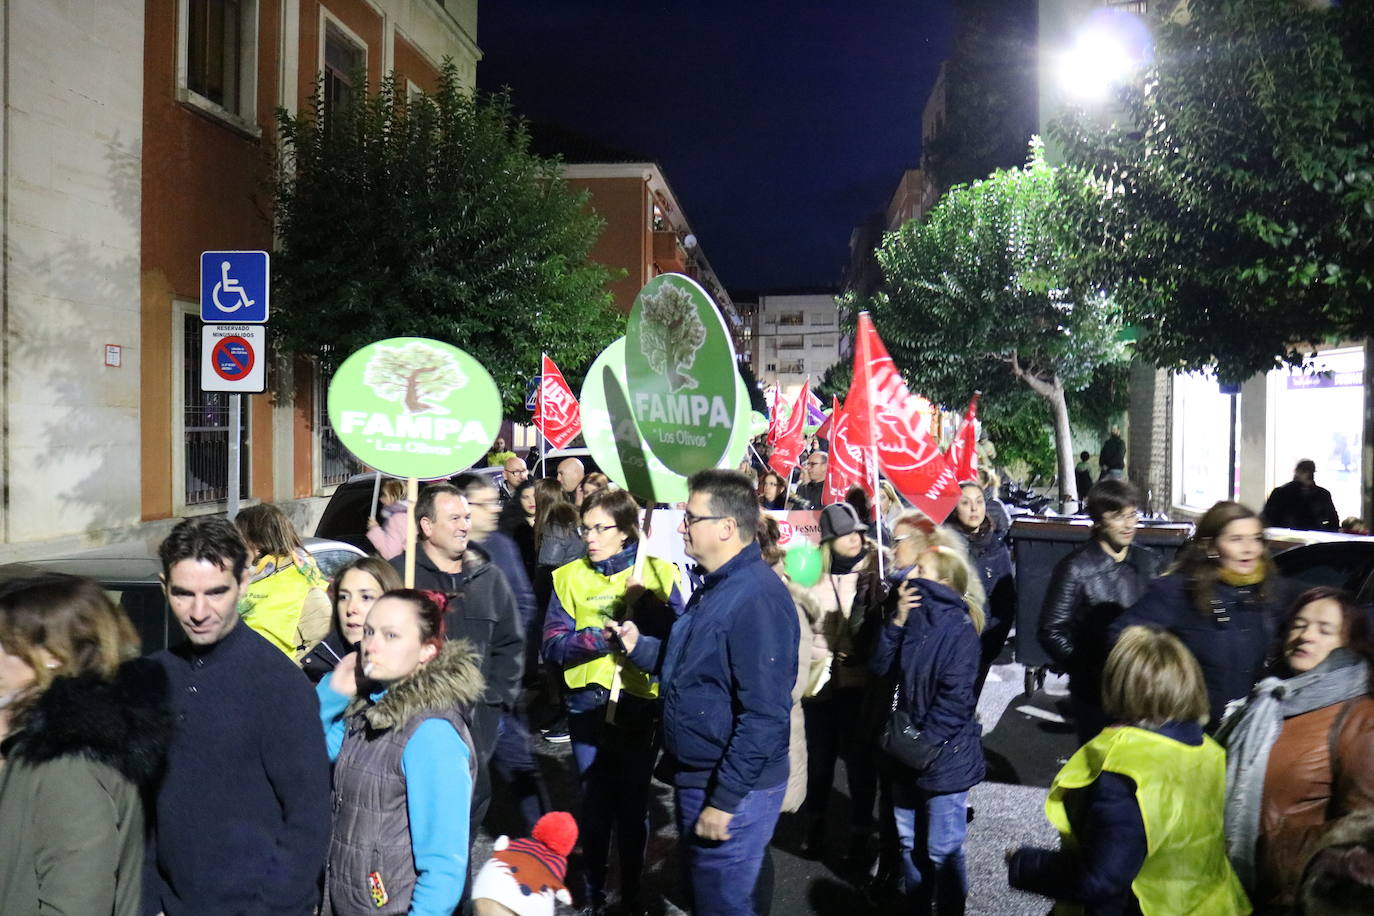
x: 671, y: 334
x: 428, y: 217
x: 991, y: 292
x: 1239, y: 231
x: 414, y: 375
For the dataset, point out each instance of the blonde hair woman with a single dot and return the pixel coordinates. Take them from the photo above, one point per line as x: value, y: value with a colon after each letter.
x: 1139, y: 807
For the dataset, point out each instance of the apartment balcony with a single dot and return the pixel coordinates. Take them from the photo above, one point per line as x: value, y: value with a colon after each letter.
x: 669, y: 255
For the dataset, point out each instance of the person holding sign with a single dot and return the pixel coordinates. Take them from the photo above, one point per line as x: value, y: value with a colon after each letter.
x: 727, y: 680
x: 614, y: 737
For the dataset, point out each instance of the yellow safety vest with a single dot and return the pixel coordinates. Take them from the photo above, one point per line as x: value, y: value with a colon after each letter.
x: 1180, y: 790
x: 592, y: 599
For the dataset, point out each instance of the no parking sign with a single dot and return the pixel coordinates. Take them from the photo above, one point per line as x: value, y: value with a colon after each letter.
x: 233, y: 357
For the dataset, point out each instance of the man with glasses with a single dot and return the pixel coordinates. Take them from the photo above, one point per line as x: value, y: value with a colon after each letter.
x: 811, y: 491
x: 513, y: 473
x: 1088, y: 590
x: 727, y: 679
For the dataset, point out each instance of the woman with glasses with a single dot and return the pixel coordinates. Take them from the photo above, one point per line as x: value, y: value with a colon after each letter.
x: 772, y: 491
x: 1089, y: 589
x: 611, y: 700
x: 1223, y: 599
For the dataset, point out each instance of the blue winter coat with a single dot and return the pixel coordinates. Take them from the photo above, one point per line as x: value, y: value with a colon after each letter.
x: 991, y: 560
x: 934, y: 659
x: 1230, y: 645
x: 728, y: 672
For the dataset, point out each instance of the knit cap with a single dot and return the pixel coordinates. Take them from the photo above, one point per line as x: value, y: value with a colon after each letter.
x: 526, y: 875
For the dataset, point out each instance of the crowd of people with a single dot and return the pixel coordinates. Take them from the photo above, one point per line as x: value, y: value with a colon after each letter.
x: 333, y: 746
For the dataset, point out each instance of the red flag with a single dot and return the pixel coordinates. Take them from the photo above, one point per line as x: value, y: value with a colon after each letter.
x: 963, y: 451
x: 886, y: 415
x: 849, y: 464
x: 557, y: 414
x: 788, y: 447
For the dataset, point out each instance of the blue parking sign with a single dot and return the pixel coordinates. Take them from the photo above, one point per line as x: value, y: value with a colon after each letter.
x: 234, y: 287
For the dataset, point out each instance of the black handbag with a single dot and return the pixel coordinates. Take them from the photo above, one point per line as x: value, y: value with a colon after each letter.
x: 903, y: 741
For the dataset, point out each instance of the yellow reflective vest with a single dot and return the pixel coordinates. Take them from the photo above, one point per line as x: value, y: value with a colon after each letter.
x: 592, y: 600
x: 1180, y: 790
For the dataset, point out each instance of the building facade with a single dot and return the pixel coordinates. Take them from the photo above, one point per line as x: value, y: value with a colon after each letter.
x: 797, y: 337
x: 138, y: 133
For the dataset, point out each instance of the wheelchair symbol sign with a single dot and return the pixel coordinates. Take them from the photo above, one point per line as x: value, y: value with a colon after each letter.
x: 234, y: 286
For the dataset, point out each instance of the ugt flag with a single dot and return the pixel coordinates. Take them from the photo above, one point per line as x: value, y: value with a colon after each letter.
x: 788, y: 447
x: 557, y: 414
x: 963, y: 451
x: 885, y: 415
x: 849, y: 465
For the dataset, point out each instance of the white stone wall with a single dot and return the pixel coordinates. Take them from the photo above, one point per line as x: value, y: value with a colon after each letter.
x: 73, y: 75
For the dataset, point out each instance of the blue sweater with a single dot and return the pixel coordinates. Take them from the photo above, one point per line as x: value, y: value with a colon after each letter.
x: 1111, y: 844
x: 728, y: 672
x: 241, y: 821
x: 438, y: 798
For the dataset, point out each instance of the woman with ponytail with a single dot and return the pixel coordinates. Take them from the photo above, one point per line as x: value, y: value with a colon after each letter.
x: 396, y: 715
x: 929, y: 646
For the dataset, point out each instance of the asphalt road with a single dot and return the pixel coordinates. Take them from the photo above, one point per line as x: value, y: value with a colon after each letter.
x: 1026, y: 741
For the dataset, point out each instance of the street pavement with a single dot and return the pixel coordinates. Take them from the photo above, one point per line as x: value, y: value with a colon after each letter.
x: 1026, y: 741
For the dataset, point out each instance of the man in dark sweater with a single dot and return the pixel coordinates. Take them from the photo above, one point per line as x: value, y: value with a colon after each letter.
x: 811, y: 491
x: 481, y: 609
x: 241, y: 818
x: 1301, y: 504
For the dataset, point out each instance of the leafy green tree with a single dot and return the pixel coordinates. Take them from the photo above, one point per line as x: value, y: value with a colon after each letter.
x: 992, y: 292
x: 429, y: 217
x: 1239, y: 231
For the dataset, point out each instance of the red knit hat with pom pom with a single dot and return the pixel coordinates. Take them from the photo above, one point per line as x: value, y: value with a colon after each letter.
x: 556, y: 830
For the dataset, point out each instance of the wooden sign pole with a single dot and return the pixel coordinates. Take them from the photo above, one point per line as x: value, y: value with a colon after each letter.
x: 412, y: 496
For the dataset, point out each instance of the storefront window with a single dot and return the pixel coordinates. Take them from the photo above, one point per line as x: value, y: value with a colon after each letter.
x: 1317, y: 413
x: 1202, y: 438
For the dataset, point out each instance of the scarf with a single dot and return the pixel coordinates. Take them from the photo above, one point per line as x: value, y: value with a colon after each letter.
x: 841, y: 566
x: 1251, y: 727
x: 1242, y: 579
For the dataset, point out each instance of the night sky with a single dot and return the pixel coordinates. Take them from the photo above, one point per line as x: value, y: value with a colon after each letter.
x: 779, y: 125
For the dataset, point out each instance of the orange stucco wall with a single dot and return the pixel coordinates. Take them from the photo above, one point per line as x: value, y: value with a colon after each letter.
x: 360, y: 18
x: 410, y: 64
x: 625, y: 240
x: 204, y: 187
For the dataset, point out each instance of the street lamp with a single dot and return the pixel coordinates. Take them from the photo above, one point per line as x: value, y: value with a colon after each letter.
x: 1111, y: 47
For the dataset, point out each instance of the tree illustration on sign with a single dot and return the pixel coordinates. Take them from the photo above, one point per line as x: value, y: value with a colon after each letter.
x: 670, y: 334
x: 415, y: 375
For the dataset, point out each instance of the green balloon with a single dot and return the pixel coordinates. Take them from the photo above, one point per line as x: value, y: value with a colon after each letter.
x: 803, y: 564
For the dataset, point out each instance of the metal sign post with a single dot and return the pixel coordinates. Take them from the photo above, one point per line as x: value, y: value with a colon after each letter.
x: 235, y: 459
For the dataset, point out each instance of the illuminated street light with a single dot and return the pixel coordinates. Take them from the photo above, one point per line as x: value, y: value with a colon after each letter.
x: 1111, y: 47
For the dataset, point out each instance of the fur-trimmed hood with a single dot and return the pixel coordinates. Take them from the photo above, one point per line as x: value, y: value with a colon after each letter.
x: 454, y: 678
x: 124, y: 723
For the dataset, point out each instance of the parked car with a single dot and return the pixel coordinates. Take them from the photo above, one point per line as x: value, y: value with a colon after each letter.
x: 131, y: 580
x: 1347, y: 563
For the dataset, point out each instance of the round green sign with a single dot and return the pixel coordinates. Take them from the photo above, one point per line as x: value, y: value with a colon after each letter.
x: 413, y: 407
x: 680, y: 367
x: 608, y: 428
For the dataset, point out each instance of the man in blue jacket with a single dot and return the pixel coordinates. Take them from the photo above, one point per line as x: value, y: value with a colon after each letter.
x: 727, y: 683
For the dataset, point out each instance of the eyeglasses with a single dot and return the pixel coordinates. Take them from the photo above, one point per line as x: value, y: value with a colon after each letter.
x: 689, y: 519
x: 598, y: 530
x: 898, y: 538
x: 1130, y: 515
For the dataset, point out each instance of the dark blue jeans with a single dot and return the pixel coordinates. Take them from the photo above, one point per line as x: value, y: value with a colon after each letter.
x: 721, y: 876
x: 931, y: 836
x: 615, y: 764
x: 513, y: 766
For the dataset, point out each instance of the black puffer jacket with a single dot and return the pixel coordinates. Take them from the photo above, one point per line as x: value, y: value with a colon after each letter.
x: 1088, y: 591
